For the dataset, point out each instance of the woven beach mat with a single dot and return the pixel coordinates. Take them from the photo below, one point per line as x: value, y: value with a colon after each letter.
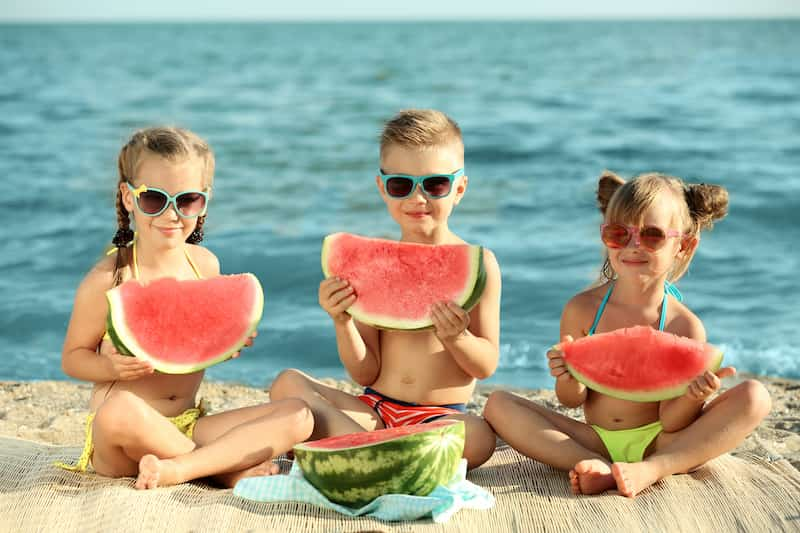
x: 729, y: 494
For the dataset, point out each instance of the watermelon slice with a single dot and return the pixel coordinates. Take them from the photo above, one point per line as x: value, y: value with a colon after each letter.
x: 397, y: 282
x: 640, y: 363
x: 355, y: 469
x: 184, y: 326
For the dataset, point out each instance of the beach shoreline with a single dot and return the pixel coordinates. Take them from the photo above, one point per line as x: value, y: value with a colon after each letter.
x: 54, y: 412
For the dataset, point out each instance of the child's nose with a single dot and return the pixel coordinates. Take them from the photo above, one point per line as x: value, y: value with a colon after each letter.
x: 417, y: 193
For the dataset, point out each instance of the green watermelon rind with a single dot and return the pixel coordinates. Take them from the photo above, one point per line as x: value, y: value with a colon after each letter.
x: 412, y: 464
x: 469, y: 298
x: 656, y: 395
x: 125, y: 341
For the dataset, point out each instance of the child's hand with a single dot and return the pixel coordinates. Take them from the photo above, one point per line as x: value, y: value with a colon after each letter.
x: 558, y: 368
x: 336, y: 296
x: 449, y: 319
x: 125, y: 367
x: 708, y: 383
x: 247, y: 343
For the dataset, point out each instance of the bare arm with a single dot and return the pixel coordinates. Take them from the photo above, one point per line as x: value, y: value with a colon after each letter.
x: 357, y: 343
x: 473, y: 340
x: 678, y: 413
x: 80, y: 358
x: 569, y: 391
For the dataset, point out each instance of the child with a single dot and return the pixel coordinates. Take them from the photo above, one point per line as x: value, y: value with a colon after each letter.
x: 144, y: 422
x: 411, y: 376
x: 651, y: 231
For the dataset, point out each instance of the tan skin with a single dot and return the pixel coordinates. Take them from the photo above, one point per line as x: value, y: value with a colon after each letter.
x: 694, y: 431
x: 430, y: 367
x: 131, y: 434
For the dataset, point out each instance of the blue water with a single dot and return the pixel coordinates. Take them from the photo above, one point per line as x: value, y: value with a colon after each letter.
x: 293, y: 112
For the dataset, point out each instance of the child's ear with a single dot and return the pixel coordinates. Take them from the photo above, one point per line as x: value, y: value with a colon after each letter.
x: 689, y: 244
x: 127, y: 196
x: 461, y: 188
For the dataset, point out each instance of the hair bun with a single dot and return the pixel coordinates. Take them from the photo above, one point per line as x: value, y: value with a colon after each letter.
x: 707, y: 203
x: 607, y: 185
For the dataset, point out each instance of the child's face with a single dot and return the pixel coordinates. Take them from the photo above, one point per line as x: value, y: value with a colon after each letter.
x: 636, y: 261
x: 418, y: 213
x: 167, y: 229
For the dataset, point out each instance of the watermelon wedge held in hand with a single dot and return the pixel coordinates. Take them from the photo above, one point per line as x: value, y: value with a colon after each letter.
x: 640, y: 363
x: 184, y: 326
x: 355, y: 469
x: 396, y: 283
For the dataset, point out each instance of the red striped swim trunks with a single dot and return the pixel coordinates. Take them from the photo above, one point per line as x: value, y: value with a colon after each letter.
x: 396, y: 413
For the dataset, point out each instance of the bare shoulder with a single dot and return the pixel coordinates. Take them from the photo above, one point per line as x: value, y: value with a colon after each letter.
x: 206, y: 261
x: 490, y: 263
x: 579, y: 311
x: 682, y: 321
x: 101, y: 277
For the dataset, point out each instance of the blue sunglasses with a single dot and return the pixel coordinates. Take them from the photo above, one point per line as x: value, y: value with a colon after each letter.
x: 152, y: 202
x: 433, y: 185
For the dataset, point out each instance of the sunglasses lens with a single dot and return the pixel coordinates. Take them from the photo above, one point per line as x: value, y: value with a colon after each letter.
x: 615, y: 236
x: 652, y: 237
x: 151, y: 202
x: 437, y: 186
x: 399, y: 187
x: 190, y: 204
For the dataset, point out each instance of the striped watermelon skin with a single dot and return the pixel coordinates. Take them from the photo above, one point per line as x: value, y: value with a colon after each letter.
x: 355, y: 469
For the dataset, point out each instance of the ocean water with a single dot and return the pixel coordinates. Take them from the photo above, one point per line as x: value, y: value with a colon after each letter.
x: 293, y: 112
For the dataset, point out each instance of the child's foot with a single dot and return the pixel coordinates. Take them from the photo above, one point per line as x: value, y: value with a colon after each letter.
x: 267, y: 468
x: 154, y: 472
x: 633, y: 478
x: 591, y: 476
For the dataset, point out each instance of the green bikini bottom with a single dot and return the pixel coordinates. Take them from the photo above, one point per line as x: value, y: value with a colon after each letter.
x: 628, y: 445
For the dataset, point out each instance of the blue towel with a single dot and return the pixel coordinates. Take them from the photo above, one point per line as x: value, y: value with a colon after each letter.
x: 440, y: 504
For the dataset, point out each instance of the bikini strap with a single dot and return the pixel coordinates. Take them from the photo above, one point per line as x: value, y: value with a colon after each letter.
x: 191, y: 262
x: 601, y: 308
x: 669, y: 289
x: 185, y: 251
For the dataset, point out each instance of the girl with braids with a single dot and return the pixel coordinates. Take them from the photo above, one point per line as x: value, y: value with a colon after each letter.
x: 651, y: 231
x: 142, y: 422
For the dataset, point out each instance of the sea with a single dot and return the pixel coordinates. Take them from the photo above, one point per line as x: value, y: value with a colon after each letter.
x: 293, y: 112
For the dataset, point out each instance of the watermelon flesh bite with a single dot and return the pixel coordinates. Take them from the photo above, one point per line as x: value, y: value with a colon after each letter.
x: 640, y: 363
x: 355, y: 469
x: 187, y: 325
x: 397, y: 283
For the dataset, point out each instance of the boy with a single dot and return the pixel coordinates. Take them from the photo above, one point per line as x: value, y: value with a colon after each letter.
x: 411, y: 376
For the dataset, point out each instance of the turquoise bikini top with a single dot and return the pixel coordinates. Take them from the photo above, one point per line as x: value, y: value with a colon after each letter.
x: 669, y: 288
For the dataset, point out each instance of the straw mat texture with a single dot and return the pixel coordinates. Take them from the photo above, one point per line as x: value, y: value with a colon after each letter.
x: 729, y: 494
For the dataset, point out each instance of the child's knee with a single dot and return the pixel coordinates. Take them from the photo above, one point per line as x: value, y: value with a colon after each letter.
x: 287, y: 384
x: 301, y: 418
x: 496, y: 405
x: 480, y: 441
x: 118, y: 414
x: 755, y: 399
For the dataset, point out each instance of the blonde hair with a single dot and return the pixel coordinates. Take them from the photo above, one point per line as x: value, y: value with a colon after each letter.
x: 698, y: 205
x: 172, y: 143
x: 421, y: 129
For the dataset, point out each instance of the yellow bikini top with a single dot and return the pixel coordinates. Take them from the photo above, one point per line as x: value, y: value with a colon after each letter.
x: 136, y: 263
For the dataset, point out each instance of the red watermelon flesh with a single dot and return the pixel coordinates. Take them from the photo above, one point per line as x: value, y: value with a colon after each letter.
x: 397, y: 283
x: 187, y: 325
x: 640, y: 363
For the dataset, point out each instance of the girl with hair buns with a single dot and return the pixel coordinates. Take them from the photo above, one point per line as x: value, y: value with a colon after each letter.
x: 143, y: 423
x: 651, y: 230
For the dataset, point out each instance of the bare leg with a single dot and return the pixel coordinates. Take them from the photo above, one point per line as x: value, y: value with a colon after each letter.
x: 480, y: 440
x: 235, y: 444
x: 126, y: 428
x: 553, y: 439
x: 335, y: 412
x: 725, y: 423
